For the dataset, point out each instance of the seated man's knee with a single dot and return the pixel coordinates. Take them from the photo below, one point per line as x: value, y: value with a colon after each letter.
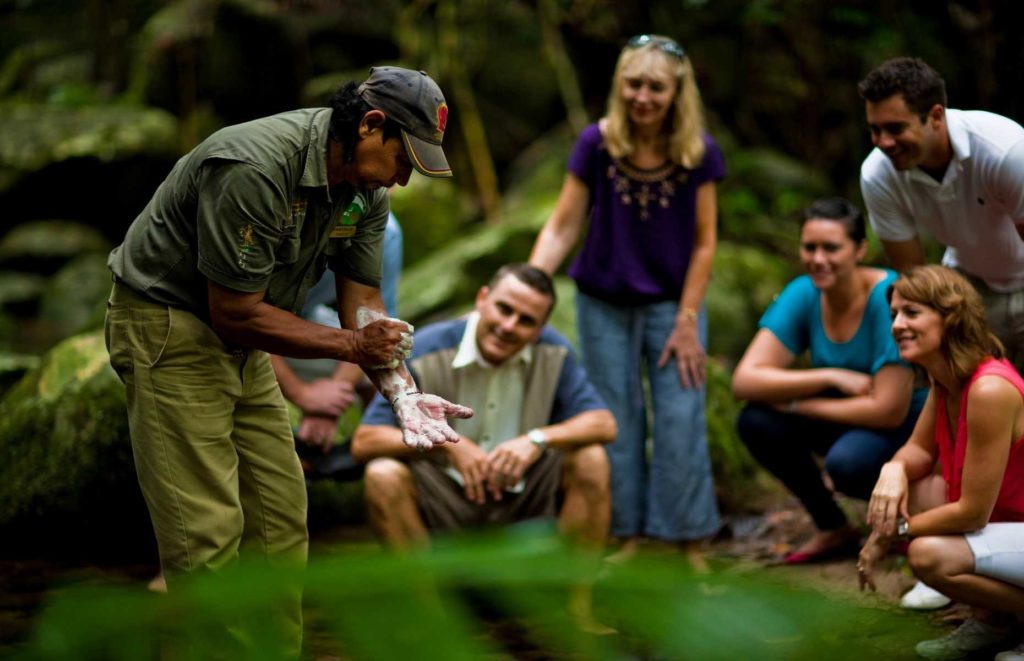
x: 589, y: 470
x: 385, y: 480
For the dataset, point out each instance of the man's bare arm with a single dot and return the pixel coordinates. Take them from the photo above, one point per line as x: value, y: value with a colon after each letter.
x: 904, y: 255
x: 373, y: 441
x: 244, y: 318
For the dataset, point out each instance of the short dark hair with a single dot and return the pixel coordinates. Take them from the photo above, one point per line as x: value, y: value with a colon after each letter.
x: 921, y: 86
x: 531, y: 276
x: 347, y: 110
x: 840, y: 210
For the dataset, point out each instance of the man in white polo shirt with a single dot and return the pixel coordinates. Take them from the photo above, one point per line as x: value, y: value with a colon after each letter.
x: 955, y: 174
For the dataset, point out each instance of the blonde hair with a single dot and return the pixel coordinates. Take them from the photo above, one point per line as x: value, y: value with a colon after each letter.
x: 686, y: 140
x: 967, y: 339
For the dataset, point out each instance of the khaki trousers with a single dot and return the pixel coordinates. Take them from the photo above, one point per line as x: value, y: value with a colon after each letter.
x: 212, y: 444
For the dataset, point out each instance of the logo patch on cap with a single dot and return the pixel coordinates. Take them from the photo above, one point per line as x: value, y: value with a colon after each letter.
x: 442, y: 119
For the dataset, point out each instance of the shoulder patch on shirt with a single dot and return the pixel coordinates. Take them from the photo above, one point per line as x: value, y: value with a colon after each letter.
x: 245, y: 244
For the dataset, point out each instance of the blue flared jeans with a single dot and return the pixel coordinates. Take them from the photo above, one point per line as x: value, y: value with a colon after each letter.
x: 666, y: 492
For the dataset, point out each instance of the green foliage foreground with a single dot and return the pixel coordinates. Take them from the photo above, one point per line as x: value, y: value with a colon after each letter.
x: 461, y: 600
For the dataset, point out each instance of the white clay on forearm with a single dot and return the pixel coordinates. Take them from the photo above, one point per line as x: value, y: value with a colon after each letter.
x: 421, y: 417
x: 366, y: 316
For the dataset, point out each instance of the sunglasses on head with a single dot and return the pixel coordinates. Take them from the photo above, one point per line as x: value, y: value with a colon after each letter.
x: 664, y: 44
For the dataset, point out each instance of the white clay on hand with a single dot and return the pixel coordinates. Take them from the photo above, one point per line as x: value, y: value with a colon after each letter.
x: 366, y: 316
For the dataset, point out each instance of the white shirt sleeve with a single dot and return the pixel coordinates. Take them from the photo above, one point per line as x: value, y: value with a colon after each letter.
x: 890, y: 219
x: 1008, y: 182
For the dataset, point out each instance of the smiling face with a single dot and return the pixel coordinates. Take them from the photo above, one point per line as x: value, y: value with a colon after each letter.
x: 827, y: 252
x: 900, y: 134
x: 916, y: 327
x: 512, y: 315
x: 649, y: 88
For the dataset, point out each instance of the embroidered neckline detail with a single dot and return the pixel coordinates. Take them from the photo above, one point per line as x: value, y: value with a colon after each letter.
x: 657, y: 185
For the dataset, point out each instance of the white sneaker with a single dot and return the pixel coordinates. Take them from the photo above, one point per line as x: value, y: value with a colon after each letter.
x: 923, y: 598
x: 971, y: 636
x: 1016, y: 654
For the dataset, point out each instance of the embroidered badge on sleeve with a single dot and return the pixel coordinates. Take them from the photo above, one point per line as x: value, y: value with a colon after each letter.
x: 245, y: 244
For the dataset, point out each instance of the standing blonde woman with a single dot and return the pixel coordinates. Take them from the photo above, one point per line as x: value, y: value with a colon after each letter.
x: 641, y: 182
x: 967, y: 524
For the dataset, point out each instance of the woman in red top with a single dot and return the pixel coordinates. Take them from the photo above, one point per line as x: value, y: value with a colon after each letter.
x: 967, y: 524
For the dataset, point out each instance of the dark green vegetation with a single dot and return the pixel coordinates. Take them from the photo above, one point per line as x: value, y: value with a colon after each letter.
x: 98, y: 98
x: 507, y: 596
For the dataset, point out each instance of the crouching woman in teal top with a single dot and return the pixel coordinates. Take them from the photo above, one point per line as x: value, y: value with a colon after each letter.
x: 855, y: 404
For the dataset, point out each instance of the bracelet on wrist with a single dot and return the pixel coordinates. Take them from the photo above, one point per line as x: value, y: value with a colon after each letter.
x: 402, y: 395
x: 690, y: 314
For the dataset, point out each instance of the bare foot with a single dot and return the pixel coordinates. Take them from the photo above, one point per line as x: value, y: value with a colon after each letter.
x: 824, y: 544
x: 580, y: 601
x: 158, y: 584
x: 625, y: 552
x: 694, y: 551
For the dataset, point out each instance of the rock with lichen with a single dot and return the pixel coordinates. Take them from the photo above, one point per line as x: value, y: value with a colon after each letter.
x: 64, y: 445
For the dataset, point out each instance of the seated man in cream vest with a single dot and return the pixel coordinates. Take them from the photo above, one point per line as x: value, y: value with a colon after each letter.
x: 539, y: 428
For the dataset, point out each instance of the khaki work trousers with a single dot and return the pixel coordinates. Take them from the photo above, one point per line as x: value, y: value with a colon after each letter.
x: 213, y: 447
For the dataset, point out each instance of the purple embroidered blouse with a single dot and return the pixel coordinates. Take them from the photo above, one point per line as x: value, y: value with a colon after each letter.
x: 642, y: 223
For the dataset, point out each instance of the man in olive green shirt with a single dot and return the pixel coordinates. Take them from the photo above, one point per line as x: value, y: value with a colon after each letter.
x: 209, y: 279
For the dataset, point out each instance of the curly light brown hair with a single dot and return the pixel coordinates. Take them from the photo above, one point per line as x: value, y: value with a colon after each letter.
x: 967, y: 338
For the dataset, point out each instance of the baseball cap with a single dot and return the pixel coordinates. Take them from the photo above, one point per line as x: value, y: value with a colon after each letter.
x: 415, y: 102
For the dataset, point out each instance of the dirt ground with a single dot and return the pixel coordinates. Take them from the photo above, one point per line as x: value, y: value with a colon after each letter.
x: 764, y: 539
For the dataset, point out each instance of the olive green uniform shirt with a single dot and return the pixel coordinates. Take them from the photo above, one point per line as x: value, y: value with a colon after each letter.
x: 250, y: 209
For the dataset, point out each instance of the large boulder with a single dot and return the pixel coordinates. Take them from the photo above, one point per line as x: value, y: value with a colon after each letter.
x: 20, y: 292
x: 43, y: 246
x: 66, y: 469
x: 13, y: 366
x: 75, y: 298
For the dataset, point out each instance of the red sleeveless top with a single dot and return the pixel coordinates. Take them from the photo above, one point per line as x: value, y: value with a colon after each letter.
x: 1010, y: 502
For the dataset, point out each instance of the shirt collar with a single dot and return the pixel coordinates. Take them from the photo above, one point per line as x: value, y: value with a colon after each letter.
x: 469, y: 353
x: 959, y: 141
x: 314, y: 175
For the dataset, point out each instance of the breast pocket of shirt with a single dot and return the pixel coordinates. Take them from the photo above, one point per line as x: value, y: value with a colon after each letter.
x: 287, y: 251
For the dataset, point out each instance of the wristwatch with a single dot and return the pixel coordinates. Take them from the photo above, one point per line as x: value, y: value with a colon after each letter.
x: 538, y: 438
x: 902, y: 528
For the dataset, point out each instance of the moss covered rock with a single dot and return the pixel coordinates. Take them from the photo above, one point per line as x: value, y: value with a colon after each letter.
x: 43, y: 246
x: 13, y: 366
x: 64, y: 447
x: 74, y: 299
x: 34, y: 135
x: 20, y: 291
